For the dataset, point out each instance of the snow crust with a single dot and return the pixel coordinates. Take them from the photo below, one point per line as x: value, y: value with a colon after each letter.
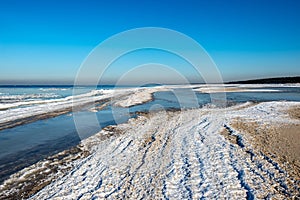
x: 48, y: 106
x: 139, y: 96
x: 178, y: 155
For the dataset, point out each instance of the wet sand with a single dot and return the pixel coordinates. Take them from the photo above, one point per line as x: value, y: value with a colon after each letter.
x: 294, y: 112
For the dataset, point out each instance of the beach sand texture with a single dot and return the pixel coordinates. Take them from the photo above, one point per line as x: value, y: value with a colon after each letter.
x: 245, y: 151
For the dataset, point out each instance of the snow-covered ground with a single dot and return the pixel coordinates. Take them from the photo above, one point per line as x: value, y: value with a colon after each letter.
x: 139, y: 96
x: 178, y: 155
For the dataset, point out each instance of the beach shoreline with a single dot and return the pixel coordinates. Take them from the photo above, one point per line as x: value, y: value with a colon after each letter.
x: 139, y: 135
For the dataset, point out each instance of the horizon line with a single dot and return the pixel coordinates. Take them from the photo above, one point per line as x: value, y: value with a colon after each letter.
x: 150, y: 84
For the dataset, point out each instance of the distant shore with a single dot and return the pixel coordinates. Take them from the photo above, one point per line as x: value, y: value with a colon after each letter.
x: 278, y: 80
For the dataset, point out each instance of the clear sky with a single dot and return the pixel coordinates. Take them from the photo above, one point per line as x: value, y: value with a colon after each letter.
x: 46, y: 41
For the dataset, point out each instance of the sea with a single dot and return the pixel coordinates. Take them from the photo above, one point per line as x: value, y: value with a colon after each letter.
x: 26, y: 144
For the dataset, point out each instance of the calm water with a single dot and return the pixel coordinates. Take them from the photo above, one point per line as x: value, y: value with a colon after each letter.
x: 24, y: 145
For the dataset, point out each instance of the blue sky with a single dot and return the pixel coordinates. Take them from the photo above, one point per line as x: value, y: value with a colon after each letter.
x: 46, y: 41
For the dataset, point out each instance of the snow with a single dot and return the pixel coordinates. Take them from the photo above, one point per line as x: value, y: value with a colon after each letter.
x: 176, y: 155
x: 53, y: 105
x: 119, y: 97
x: 48, y: 106
x: 215, y: 89
x: 267, y: 85
x: 139, y: 96
x: 48, y: 101
x: 26, y: 96
x: 54, y: 89
x: 267, y: 111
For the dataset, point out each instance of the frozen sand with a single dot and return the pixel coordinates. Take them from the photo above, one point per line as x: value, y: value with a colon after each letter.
x: 281, y: 141
x: 181, y: 155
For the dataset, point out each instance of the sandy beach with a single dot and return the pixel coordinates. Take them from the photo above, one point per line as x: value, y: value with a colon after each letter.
x: 246, y: 151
